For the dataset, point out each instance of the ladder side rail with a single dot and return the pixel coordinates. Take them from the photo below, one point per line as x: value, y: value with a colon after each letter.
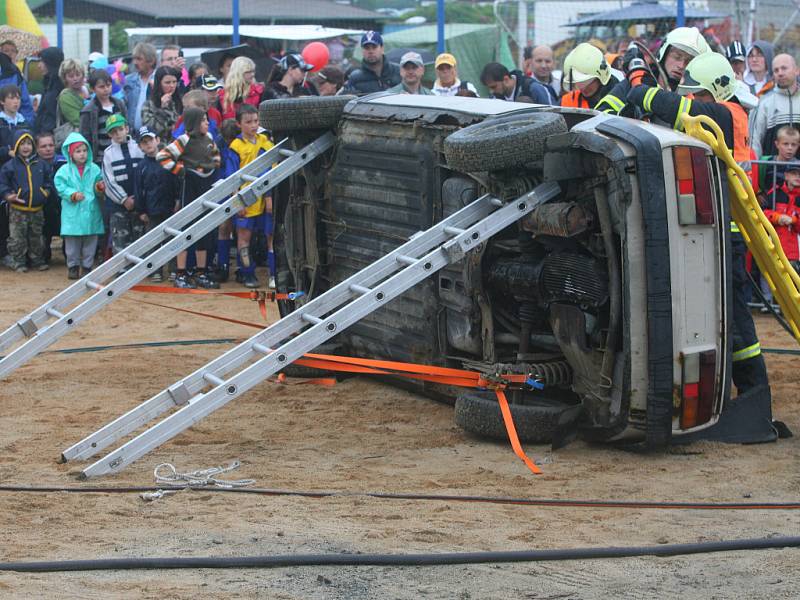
x: 451, y: 251
x: 280, y: 330
x: 145, y: 243
x: 127, y: 280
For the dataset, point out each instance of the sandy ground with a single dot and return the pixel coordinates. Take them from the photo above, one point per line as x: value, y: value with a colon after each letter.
x: 359, y: 436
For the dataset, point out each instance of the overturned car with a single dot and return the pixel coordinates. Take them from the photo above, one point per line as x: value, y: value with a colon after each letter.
x: 612, y: 297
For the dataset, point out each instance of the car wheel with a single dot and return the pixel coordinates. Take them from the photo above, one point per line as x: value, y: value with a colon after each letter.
x: 309, y: 112
x: 502, y: 143
x: 479, y: 413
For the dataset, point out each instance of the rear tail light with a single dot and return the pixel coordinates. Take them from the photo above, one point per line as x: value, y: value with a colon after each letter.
x: 693, y: 178
x: 698, y: 388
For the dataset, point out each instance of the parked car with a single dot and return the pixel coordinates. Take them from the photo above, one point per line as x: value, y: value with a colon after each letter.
x: 613, y: 297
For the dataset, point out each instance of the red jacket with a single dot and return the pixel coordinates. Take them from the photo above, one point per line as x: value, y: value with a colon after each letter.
x: 253, y: 97
x: 787, y: 202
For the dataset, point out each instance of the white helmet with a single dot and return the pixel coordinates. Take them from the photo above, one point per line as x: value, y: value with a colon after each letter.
x: 710, y: 72
x: 688, y: 39
x: 583, y: 63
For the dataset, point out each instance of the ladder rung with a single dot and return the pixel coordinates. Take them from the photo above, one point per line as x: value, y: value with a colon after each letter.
x: 453, y: 230
x: 210, y: 204
x: 133, y: 258
x: 211, y: 378
x: 496, y: 202
x: 286, y: 152
x: 261, y: 348
x: 250, y: 178
x: 359, y: 289
x: 53, y: 313
x: 172, y: 231
x: 406, y: 260
x: 308, y: 318
x: 93, y: 285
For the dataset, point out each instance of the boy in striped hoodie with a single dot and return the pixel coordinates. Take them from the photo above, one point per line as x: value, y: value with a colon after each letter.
x: 195, y: 157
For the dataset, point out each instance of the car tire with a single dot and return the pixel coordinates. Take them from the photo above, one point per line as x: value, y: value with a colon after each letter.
x: 502, y: 143
x: 479, y: 413
x: 298, y: 114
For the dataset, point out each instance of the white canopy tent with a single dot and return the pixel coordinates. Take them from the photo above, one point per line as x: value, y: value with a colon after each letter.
x: 266, y: 32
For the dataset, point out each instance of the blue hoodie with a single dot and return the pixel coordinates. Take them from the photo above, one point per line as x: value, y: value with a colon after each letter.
x: 83, y: 217
x: 30, y: 178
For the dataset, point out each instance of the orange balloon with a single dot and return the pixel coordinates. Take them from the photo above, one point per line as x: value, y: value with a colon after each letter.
x: 316, y: 54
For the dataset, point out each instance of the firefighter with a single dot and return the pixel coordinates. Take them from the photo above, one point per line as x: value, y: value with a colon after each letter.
x: 710, y: 80
x: 587, y: 77
x: 680, y: 46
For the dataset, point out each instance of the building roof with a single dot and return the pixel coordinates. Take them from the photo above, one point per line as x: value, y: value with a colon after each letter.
x: 251, y: 10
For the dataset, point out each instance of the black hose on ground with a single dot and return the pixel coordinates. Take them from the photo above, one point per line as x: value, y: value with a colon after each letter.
x: 396, y: 560
x: 546, y: 502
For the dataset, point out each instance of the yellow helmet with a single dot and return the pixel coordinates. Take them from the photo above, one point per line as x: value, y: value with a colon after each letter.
x: 688, y: 39
x: 585, y: 62
x: 710, y: 72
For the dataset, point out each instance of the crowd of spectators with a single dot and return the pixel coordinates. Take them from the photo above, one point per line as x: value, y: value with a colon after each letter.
x: 100, y: 161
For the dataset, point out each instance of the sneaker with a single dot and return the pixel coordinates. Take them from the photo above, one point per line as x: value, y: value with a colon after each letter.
x: 42, y: 267
x: 157, y: 277
x: 271, y: 282
x: 239, y: 276
x: 251, y: 281
x: 222, y: 274
x: 73, y: 273
x: 172, y: 275
x: 204, y: 281
x: 21, y: 269
x: 184, y: 281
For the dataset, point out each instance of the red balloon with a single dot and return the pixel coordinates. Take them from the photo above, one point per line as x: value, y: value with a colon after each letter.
x: 317, y: 54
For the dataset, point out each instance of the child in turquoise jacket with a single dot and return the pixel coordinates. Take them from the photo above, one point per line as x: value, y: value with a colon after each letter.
x: 79, y: 183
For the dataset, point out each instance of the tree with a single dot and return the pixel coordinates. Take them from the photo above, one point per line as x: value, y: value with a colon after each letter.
x: 117, y: 38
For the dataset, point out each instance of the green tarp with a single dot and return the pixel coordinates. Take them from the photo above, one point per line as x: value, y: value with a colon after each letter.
x: 473, y: 45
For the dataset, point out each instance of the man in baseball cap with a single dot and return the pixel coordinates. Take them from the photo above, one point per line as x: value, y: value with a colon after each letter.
x: 412, y: 68
x: 376, y: 73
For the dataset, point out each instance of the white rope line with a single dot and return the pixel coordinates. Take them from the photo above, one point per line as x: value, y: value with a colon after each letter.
x: 167, y: 474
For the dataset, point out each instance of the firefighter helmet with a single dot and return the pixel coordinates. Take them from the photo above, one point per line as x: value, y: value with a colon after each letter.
x: 688, y: 39
x: 583, y: 63
x: 710, y: 72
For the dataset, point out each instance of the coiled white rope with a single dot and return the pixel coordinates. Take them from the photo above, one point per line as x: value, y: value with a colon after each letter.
x: 167, y: 474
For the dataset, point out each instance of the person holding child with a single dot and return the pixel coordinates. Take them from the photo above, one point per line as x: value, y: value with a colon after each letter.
x: 164, y: 106
x: 244, y: 149
x: 195, y: 156
x: 157, y: 190
x: 98, y: 110
x: 120, y: 162
x: 79, y: 184
x: 25, y: 184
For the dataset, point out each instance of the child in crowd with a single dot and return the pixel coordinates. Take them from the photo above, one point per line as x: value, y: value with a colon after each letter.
x: 157, y: 190
x: 73, y: 96
x: 25, y: 184
x: 228, y: 132
x: 785, y: 212
x: 97, y: 111
x: 244, y: 149
x: 46, y: 149
x: 787, y: 142
x: 78, y: 184
x: 198, y: 99
x: 11, y: 120
x: 121, y: 159
x: 195, y: 156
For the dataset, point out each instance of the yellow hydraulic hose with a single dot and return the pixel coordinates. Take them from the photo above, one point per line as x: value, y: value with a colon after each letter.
x: 758, y: 233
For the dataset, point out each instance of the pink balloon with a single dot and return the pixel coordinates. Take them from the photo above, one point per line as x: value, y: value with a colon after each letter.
x: 317, y: 54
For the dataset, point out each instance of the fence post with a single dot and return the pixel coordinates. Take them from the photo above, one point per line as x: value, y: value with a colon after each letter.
x: 235, y: 12
x: 439, y: 26
x: 60, y: 23
x: 680, y: 20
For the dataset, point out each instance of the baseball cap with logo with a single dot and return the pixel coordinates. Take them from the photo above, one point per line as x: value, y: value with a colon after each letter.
x: 445, y: 59
x: 792, y: 165
x: 210, y: 83
x: 294, y: 60
x: 144, y: 132
x: 411, y: 57
x: 371, y: 37
x: 114, y: 121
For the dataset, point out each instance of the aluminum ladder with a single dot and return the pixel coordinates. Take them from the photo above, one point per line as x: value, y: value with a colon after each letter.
x: 61, y: 314
x: 215, y: 384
